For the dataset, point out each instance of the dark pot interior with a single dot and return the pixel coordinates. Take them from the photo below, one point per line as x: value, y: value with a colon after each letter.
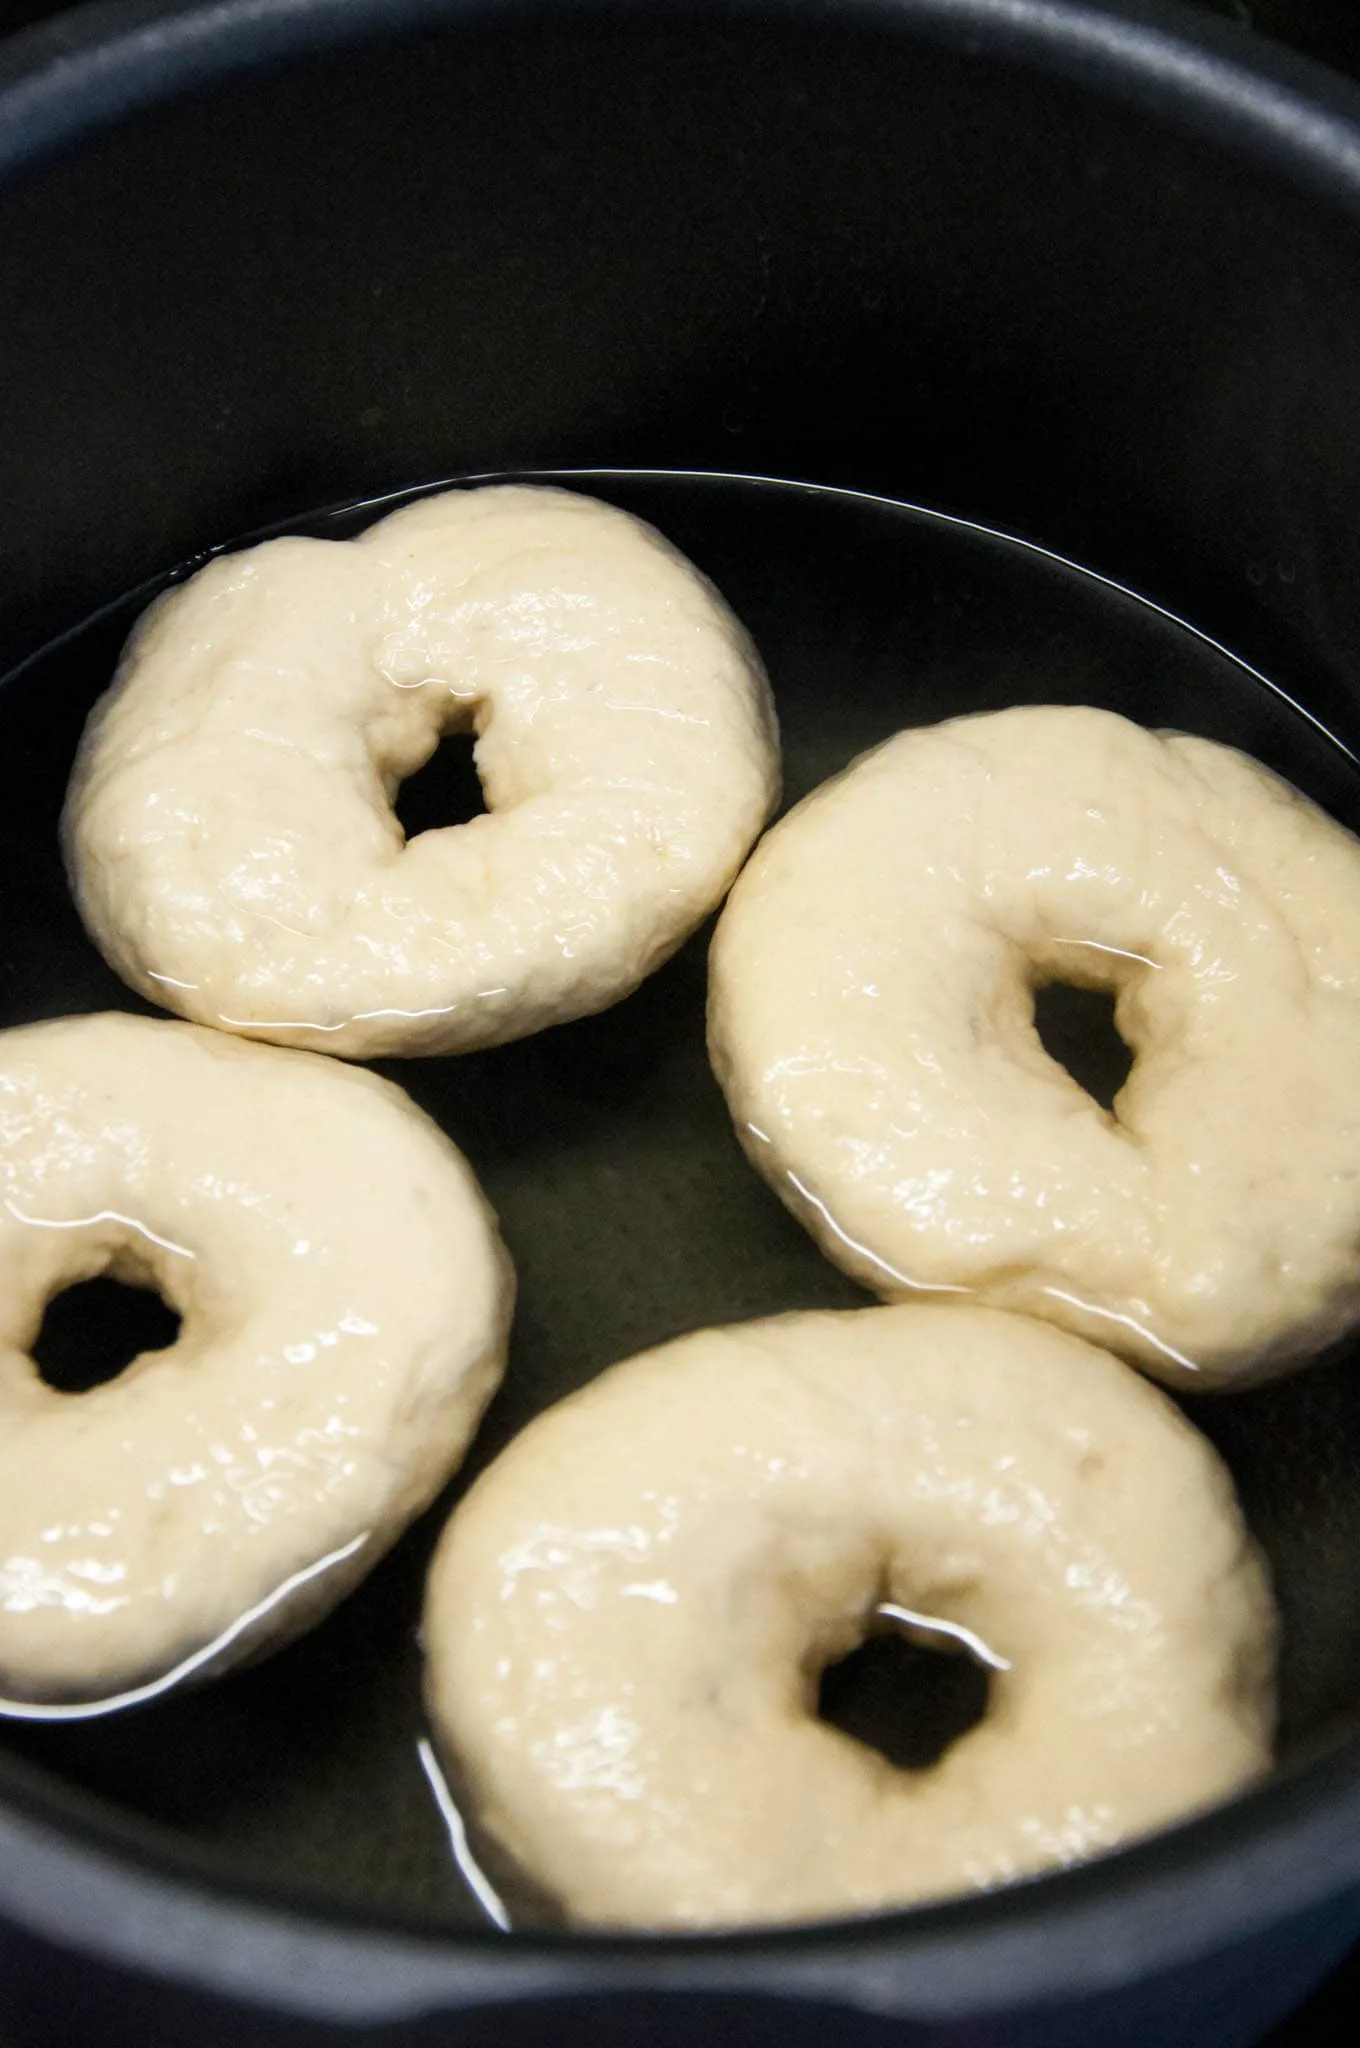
x: 1082, y: 276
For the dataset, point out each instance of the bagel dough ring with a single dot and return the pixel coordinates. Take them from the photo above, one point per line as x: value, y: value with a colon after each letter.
x: 229, y: 828
x: 628, y: 1615
x: 871, y: 1021
x: 345, y: 1300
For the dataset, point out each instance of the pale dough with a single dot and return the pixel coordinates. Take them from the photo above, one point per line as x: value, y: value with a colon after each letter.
x: 871, y: 1021
x: 345, y: 1300
x: 229, y: 828
x: 627, y: 1616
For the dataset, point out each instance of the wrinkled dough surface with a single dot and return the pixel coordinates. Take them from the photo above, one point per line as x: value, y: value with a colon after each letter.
x: 628, y: 1613
x: 871, y: 1021
x: 345, y: 1301
x: 229, y: 828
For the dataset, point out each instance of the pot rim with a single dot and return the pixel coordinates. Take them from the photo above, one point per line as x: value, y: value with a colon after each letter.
x: 83, y: 1877
x: 98, y: 63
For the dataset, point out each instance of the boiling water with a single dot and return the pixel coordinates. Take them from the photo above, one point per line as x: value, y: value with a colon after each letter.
x: 629, y: 1209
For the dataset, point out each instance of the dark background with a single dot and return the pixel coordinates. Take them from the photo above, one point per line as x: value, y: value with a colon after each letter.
x: 1327, y: 30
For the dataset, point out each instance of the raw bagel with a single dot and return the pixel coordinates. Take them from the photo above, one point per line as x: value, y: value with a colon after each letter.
x: 627, y: 1616
x: 345, y: 1301
x: 229, y: 828
x: 871, y: 1020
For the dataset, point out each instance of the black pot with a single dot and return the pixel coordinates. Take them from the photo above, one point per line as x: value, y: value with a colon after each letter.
x: 1087, y: 274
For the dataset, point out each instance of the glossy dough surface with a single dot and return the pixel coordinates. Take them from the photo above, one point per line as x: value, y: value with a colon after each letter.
x: 345, y: 1301
x: 628, y: 1613
x: 871, y: 1020
x: 229, y: 828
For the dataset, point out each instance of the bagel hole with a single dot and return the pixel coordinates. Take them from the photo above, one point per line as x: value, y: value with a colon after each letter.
x: 1076, y: 1028
x: 906, y: 1700
x: 446, y: 791
x: 92, y: 1332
